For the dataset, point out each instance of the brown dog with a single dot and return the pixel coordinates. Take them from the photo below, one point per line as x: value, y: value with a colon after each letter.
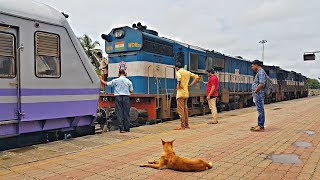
x: 171, y: 161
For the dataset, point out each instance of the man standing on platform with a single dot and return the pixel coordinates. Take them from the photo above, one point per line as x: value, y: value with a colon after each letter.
x: 258, y: 88
x: 183, y: 78
x: 212, y: 94
x: 122, y: 90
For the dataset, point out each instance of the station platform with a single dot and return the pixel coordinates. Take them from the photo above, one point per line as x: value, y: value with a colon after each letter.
x: 288, y: 149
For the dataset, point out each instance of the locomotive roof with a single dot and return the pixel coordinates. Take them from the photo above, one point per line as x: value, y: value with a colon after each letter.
x: 204, y: 50
x: 32, y: 10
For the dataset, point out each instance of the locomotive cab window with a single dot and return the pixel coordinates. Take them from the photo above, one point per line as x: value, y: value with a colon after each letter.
x: 179, y: 57
x: 194, y: 61
x: 216, y: 63
x: 209, y: 63
x: 47, y: 49
x: 7, y: 62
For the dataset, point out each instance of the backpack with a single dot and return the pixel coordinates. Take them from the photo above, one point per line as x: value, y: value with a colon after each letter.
x: 269, y: 87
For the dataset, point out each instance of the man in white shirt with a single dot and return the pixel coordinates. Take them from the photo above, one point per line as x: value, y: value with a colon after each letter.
x: 122, y: 89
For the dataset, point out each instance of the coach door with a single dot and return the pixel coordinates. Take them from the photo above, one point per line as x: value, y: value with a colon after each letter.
x: 8, y: 74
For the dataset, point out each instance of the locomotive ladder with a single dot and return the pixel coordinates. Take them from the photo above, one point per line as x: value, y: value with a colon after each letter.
x: 157, y: 84
x: 155, y: 74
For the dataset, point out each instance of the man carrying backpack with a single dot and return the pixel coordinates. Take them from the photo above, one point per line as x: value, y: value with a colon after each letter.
x: 258, y: 90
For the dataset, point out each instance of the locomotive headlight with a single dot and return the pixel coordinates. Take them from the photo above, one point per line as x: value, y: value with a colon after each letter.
x: 118, y: 33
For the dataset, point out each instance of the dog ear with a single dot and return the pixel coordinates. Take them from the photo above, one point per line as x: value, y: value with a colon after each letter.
x: 172, y: 141
x: 163, y: 142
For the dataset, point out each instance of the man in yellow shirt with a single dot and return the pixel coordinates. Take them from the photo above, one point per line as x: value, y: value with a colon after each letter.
x: 183, y: 78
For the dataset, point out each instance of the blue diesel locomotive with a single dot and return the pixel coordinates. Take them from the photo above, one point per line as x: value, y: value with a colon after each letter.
x: 149, y: 62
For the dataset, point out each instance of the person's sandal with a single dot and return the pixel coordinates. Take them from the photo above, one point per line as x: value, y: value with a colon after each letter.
x: 179, y: 128
x: 257, y: 129
x: 213, y: 122
x: 254, y: 127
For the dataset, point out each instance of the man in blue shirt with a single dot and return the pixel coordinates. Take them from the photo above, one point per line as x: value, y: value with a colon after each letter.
x: 258, y: 88
x: 122, y: 90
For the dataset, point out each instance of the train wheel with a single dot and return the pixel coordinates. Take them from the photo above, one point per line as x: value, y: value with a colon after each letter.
x: 101, y: 116
x: 227, y: 107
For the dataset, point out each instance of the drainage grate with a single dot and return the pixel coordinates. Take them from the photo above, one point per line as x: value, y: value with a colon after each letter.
x: 302, y: 144
x: 310, y: 133
x: 286, y: 158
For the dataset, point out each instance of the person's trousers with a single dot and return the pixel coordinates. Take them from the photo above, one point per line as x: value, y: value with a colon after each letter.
x: 105, y: 78
x: 213, y: 107
x: 183, y: 111
x: 122, y: 112
x: 259, y: 101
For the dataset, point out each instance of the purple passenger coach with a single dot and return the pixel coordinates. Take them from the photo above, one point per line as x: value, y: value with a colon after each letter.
x: 47, y: 84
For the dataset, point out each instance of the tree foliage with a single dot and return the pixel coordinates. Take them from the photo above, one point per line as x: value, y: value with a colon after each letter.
x: 313, y: 84
x: 90, y: 49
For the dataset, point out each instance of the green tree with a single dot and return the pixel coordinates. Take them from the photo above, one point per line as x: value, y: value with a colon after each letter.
x: 91, y: 49
x: 313, y: 84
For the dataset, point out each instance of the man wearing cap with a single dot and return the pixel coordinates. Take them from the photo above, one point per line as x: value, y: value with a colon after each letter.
x: 212, y: 94
x: 183, y: 78
x: 122, y: 89
x: 258, y: 88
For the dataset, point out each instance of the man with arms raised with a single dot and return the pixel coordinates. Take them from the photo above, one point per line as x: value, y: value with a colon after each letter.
x: 122, y: 89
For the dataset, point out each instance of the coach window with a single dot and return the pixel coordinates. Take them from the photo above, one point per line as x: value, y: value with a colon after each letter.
x: 48, y: 61
x: 7, y: 63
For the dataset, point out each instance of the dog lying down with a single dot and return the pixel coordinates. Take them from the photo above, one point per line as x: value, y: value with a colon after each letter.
x: 169, y: 160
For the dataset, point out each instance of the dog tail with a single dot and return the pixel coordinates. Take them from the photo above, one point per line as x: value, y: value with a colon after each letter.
x: 210, y: 165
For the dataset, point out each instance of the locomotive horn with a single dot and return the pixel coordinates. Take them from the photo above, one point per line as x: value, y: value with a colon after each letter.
x: 106, y: 37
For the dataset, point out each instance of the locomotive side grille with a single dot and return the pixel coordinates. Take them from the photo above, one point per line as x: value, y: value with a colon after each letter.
x: 6, y: 45
x: 157, y: 46
x: 47, y: 44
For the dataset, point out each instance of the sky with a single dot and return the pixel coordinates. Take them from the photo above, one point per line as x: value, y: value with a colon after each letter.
x: 232, y: 27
